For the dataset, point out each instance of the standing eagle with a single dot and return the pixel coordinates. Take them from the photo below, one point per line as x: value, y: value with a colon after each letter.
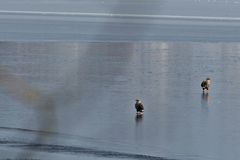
x: 139, y: 106
x: 205, y: 84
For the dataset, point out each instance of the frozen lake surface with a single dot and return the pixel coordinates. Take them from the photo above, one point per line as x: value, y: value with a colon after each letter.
x: 70, y: 72
x: 76, y: 100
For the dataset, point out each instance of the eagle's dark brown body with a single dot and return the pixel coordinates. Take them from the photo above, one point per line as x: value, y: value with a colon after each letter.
x: 139, y: 106
x: 206, y: 84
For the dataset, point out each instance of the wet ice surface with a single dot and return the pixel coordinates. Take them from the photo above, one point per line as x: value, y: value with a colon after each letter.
x: 93, y: 87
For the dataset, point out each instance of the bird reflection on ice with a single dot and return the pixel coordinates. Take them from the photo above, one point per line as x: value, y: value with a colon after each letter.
x: 139, y: 118
x: 205, y: 99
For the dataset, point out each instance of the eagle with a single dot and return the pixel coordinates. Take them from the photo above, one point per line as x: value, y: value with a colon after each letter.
x: 206, y: 84
x: 139, y: 106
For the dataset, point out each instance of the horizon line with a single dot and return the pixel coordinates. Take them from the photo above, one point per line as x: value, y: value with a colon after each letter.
x: 112, y: 15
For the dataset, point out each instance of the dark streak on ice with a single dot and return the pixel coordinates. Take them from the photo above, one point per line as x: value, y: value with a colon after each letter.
x: 78, y: 150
